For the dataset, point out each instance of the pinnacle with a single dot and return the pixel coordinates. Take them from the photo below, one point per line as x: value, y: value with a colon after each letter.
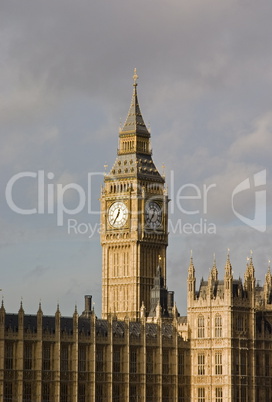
x: 134, y: 121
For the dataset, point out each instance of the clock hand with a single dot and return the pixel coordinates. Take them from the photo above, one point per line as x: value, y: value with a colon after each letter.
x: 153, y: 214
x: 118, y: 213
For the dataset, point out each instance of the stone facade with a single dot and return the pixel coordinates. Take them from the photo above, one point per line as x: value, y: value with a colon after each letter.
x: 82, y: 358
x: 222, y: 350
x: 230, y: 332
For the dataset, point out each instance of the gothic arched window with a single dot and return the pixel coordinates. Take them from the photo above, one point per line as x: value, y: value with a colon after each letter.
x: 200, y: 326
x: 218, y: 326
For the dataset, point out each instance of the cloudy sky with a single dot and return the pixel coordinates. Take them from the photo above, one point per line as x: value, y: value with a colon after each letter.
x: 205, y: 88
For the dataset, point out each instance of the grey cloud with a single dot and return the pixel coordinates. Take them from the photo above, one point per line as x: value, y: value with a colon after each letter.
x: 205, y: 86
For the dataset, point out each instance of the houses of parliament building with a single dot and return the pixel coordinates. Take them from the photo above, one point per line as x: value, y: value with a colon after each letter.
x: 142, y: 349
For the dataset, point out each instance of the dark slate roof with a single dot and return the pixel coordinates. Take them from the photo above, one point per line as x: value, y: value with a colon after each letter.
x: 84, y: 325
x: 203, y: 289
x: 135, y: 329
x: 101, y: 327
x: 167, y: 330
x: 30, y: 323
x: 134, y: 121
x: 48, y: 323
x: 118, y: 329
x: 11, y: 322
x: 134, y: 165
x: 66, y: 325
x: 151, y: 330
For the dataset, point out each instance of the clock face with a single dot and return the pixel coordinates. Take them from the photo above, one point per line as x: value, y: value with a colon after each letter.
x: 118, y: 214
x: 153, y: 215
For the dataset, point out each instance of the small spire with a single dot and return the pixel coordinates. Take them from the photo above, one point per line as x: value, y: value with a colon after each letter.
x: 175, y: 311
x: 214, y: 272
x: 191, y: 268
x: 250, y: 271
x: 135, y: 77
x: 214, y: 261
x: 191, y: 259
x: 142, y: 310
x: 228, y: 267
x: 250, y: 258
x: 158, y: 310
x: 75, y: 312
x: 268, y: 276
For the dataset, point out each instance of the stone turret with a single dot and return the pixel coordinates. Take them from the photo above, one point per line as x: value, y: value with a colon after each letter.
x: 268, y: 287
x: 160, y: 296
x: 249, y: 284
x: 191, y: 281
x: 212, y: 280
x: 228, y: 278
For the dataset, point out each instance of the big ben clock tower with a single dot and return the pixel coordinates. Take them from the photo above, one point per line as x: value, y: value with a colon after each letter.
x: 134, y: 207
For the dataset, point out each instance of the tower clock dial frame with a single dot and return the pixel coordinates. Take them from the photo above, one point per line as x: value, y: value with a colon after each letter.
x: 117, y: 214
x: 153, y: 215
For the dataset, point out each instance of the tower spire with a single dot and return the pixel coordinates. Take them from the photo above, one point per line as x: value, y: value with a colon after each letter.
x: 134, y: 123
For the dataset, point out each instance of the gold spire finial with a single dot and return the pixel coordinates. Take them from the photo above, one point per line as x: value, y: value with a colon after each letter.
x: 191, y: 257
x: 228, y: 255
x: 163, y: 170
x: 135, y: 76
